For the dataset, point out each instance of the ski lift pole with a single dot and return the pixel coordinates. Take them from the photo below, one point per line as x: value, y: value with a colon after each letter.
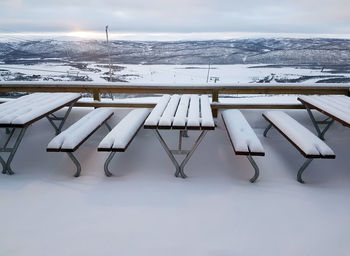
x: 208, y: 72
x: 109, y: 56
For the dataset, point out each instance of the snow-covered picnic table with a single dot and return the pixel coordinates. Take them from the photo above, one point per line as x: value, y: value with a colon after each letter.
x: 335, y: 107
x: 181, y: 113
x: 19, y: 114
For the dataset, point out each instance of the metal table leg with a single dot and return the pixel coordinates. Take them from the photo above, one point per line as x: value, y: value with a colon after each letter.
x: 52, y: 117
x: 6, y: 165
x: 328, y: 122
x: 180, y: 166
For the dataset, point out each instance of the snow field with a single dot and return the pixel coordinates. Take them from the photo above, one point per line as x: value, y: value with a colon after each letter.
x: 144, y: 209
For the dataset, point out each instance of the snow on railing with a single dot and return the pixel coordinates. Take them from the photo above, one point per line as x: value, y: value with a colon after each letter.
x: 215, y: 90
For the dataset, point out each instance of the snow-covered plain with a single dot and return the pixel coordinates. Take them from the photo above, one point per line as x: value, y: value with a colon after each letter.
x: 144, y: 210
x: 169, y: 74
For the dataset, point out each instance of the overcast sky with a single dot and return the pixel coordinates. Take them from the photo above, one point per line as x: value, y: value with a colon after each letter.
x: 158, y: 18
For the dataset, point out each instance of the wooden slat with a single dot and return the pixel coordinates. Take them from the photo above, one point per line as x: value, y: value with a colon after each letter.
x: 96, y: 104
x: 166, y: 119
x: 153, y: 118
x: 171, y: 89
x: 255, y: 106
x: 207, y: 120
x: 193, y: 121
x: 180, y: 118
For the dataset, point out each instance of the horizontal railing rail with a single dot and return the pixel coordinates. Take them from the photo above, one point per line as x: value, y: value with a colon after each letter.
x: 215, y: 90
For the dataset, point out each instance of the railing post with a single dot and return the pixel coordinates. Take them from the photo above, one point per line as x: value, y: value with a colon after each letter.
x: 215, y: 98
x: 96, y: 95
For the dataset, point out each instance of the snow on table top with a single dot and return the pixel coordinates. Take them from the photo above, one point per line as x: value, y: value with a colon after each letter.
x: 157, y: 111
x: 119, y: 138
x: 76, y: 133
x: 32, y: 106
x: 207, y: 116
x: 308, y: 142
x: 191, y: 111
x: 242, y: 135
x: 168, y: 114
x: 180, y: 118
x: 336, y: 105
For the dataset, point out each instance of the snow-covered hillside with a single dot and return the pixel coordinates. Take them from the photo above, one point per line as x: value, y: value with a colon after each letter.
x: 315, y: 51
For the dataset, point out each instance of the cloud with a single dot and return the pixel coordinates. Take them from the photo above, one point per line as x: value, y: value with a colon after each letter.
x: 181, y: 16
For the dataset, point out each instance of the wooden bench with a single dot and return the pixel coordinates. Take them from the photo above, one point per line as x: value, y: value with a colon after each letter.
x: 74, y: 136
x: 122, y: 134
x: 307, y: 143
x: 243, y: 139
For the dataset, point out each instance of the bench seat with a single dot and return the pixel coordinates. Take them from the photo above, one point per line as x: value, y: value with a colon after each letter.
x: 243, y: 139
x: 307, y: 143
x: 74, y: 136
x: 71, y: 138
x: 122, y: 134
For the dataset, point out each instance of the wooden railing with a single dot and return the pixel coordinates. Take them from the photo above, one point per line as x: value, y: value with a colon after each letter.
x: 96, y: 89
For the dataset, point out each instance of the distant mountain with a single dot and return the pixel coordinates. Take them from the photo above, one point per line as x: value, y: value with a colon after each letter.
x: 241, y: 51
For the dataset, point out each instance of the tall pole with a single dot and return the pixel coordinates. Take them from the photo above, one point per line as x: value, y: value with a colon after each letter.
x: 109, y: 56
x: 208, y: 72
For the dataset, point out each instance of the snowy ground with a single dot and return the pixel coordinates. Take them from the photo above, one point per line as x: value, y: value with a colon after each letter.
x: 169, y: 74
x: 144, y: 210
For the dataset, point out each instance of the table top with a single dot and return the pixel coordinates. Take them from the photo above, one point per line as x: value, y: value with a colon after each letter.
x: 336, y: 107
x: 27, y: 109
x: 181, y: 112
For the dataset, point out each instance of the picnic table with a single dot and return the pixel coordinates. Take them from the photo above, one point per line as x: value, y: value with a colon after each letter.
x: 335, y: 107
x: 181, y: 113
x: 17, y: 115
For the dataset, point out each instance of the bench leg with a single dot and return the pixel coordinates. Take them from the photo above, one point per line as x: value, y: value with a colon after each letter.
x: 267, y: 129
x: 256, y: 169
x: 76, y: 162
x: 302, y: 169
x: 6, y: 165
x: 108, y: 160
x: 108, y: 126
x: 62, y: 120
x: 327, y: 122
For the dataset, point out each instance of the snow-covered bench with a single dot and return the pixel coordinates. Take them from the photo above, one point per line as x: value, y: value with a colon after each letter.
x: 308, y: 144
x: 243, y: 139
x: 122, y: 134
x: 74, y: 136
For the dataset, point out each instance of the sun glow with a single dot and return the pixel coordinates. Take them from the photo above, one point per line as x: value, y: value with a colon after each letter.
x: 86, y: 34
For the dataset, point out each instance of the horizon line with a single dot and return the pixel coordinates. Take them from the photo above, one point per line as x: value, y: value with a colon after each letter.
x: 160, y: 36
